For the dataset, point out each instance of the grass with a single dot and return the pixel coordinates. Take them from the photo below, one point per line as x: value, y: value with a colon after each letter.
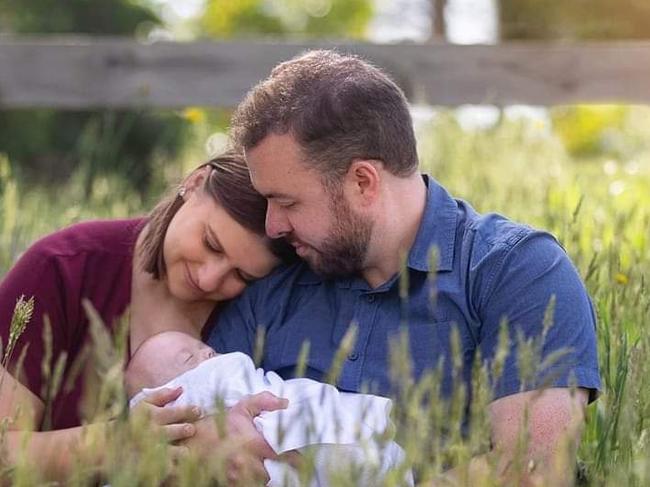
x: 599, y: 208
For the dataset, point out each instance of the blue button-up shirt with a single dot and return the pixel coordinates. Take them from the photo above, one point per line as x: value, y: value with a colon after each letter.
x: 488, y: 271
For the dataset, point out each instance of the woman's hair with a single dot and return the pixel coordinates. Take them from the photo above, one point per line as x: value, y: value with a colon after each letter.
x: 229, y: 184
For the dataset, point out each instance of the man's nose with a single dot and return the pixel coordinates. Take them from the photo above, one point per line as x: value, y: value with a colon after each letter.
x: 277, y: 223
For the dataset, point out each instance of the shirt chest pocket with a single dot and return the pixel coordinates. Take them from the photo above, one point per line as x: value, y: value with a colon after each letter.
x: 440, y: 346
x: 284, y: 348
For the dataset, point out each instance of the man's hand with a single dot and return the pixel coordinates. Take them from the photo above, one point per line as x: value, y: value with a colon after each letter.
x: 243, y: 447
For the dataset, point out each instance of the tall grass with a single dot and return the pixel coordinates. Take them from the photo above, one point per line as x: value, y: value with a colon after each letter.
x: 598, y: 208
x: 600, y: 211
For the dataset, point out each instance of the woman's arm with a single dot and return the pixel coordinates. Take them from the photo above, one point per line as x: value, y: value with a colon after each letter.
x: 23, y: 411
x: 52, y: 452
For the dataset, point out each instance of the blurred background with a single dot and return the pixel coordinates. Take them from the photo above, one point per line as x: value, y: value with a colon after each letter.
x: 48, y: 147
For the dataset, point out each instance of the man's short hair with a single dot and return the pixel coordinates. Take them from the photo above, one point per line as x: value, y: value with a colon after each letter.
x: 337, y: 107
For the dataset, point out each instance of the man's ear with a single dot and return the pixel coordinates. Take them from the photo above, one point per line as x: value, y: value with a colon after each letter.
x: 196, y: 179
x: 364, y: 180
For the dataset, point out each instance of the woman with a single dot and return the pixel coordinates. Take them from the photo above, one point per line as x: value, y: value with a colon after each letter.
x: 199, y: 246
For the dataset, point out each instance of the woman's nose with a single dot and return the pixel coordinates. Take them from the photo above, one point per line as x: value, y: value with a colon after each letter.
x: 212, y: 274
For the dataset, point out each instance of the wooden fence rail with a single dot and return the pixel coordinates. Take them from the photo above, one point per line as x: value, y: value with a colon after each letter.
x: 83, y: 72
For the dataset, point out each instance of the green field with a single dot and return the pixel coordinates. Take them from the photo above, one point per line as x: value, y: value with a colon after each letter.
x: 597, y: 203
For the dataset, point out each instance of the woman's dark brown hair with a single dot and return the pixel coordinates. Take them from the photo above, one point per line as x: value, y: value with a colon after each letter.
x: 230, y: 185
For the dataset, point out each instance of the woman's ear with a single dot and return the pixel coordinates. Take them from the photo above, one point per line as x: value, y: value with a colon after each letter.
x: 196, y: 179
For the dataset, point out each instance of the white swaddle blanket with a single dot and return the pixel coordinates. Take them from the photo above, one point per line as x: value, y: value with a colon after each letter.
x: 317, y: 415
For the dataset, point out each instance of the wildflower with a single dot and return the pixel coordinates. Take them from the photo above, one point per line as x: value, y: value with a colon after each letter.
x: 621, y: 278
x: 193, y: 115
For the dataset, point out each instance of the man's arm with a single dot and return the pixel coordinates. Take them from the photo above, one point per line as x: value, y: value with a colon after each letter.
x: 535, y: 436
x: 535, y: 421
x: 552, y: 365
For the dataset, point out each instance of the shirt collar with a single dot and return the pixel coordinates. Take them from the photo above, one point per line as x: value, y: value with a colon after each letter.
x: 437, y: 229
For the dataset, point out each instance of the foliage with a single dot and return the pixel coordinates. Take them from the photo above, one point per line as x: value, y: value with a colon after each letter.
x: 600, y: 211
x: 117, y: 17
x: 576, y: 19
x: 21, y: 317
x: 283, y: 18
x: 588, y: 130
x: 46, y: 145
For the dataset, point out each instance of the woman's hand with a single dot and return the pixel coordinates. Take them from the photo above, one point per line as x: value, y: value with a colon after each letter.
x: 177, y: 423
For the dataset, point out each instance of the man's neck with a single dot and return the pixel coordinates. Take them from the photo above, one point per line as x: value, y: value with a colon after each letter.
x: 394, y: 235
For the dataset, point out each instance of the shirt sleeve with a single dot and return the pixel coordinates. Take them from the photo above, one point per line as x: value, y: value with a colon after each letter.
x: 36, y: 274
x: 525, y: 280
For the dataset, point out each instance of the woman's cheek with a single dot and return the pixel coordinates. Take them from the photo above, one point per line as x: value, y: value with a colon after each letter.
x: 233, y: 288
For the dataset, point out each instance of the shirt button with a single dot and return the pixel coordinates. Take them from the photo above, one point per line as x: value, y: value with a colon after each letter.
x: 370, y: 298
x: 352, y: 356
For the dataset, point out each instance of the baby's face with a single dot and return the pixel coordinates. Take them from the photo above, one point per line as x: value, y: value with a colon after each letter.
x: 162, y: 358
x: 184, y: 352
x: 172, y: 353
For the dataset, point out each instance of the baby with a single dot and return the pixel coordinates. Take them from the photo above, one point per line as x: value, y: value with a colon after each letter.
x: 338, y: 425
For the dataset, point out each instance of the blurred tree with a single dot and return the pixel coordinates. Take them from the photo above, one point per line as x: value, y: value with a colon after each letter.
x: 575, y: 19
x: 438, y: 24
x: 118, y: 17
x: 45, y: 145
x: 285, y: 18
x: 227, y: 19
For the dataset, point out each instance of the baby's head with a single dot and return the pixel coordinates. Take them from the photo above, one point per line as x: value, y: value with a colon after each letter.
x: 162, y: 357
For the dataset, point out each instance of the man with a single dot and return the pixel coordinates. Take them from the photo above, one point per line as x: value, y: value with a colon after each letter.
x: 329, y: 142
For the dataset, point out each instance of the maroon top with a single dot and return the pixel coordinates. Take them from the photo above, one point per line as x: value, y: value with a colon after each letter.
x: 90, y: 260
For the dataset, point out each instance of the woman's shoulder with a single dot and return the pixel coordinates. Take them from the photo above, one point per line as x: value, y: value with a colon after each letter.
x: 116, y: 236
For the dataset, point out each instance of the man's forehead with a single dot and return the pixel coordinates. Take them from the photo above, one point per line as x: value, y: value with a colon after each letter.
x: 276, y: 178
x: 286, y: 185
x: 274, y: 150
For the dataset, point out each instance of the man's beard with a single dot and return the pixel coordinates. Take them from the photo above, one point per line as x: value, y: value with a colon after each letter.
x: 343, y: 252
